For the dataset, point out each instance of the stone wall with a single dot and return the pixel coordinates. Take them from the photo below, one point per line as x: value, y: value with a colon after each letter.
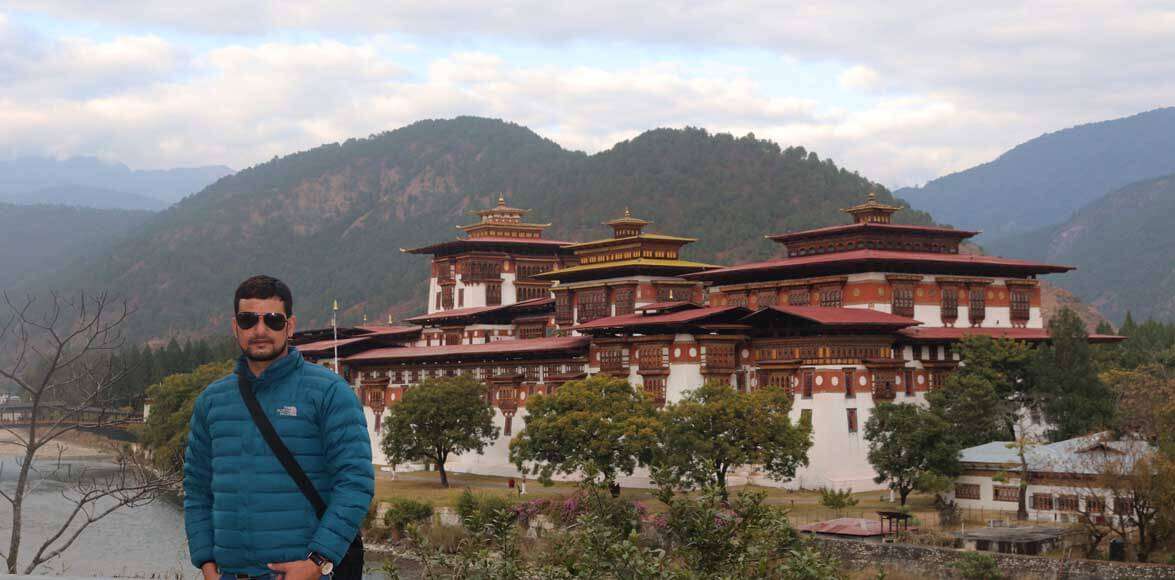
x: 936, y: 562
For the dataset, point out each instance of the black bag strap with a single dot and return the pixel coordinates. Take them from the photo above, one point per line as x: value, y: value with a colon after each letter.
x: 275, y: 443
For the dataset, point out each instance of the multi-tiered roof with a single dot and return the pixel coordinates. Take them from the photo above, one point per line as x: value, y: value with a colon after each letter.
x: 500, y: 228
x: 873, y: 243
x: 628, y: 252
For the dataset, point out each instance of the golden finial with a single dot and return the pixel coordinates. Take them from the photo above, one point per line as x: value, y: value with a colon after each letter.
x: 626, y: 212
x: 389, y: 319
x: 364, y: 318
x: 501, y: 199
x: 872, y: 196
x: 336, y: 306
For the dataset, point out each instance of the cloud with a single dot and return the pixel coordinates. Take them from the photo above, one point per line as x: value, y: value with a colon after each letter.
x: 859, y: 78
x: 930, y: 90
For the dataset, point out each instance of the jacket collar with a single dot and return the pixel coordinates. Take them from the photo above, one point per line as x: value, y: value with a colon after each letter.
x: 278, y: 370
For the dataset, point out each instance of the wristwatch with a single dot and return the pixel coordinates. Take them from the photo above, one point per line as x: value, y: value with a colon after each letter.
x: 324, y: 565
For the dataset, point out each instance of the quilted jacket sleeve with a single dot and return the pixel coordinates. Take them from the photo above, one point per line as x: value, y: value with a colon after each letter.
x: 198, y: 486
x: 348, y: 452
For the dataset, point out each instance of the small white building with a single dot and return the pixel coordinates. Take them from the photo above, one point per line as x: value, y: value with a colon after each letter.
x: 1064, y: 478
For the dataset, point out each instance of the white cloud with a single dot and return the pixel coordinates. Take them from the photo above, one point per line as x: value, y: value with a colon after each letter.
x: 859, y: 78
x: 934, y: 89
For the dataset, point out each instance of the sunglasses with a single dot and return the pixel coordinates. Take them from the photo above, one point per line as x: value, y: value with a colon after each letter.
x: 274, y: 320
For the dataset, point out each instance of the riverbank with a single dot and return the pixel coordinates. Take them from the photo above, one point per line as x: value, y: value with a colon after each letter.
x: 72, y: 445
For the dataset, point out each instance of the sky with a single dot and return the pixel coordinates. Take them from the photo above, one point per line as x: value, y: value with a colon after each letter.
x: 901, y: 92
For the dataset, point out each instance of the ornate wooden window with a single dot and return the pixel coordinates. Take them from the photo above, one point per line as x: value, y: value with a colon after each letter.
x: 650, y: 357
x: 809, y: 384
x: 977, y: 305
x: 949, y: 304
x: 493, y: 294
x: 531, y: 373
x: 966, y: 491
x: 832, y: 297
x: 719, y: 356
x: 849, y: 378
x: 1021, y: 301
x: 484, y: 270
x: 908, y: 382
x: 1067, y: 503
x: 612, y: 360
x: 375, y: 397
x: 593, y: 304
x: 444, y: 270
x: 1007, y: 493
x: 1042, y: 501
x: 531, y: 331
x: 528, y: 269
x: 523, y: 293
x: 851, y: 414
x: 655, y: 389
x: 447, y: 297
x: 452, y: 338
x: 563, y: 311
x: 903, y: 300
x: 398, y: 376
x: 799, y: 297
x: 460, y: 297
x: 625, y: 299
x: 438, y: 301
x: 1095, y: 504
x: 766, y: 298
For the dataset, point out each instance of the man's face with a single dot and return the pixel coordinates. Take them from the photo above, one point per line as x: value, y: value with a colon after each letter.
x: 261, y: 343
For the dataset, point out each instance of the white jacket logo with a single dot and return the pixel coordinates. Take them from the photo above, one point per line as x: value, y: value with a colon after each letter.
x: 288, y: 411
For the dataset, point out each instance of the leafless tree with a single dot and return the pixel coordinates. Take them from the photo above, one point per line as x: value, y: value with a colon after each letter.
x: 61, y: 365
x: 1125, y: 493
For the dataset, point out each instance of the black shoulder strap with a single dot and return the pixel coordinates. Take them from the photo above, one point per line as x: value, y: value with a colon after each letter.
x: 275, y: 443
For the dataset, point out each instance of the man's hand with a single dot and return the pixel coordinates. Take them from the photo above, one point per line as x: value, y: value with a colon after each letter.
x: 210, y: 572
x: 298, y: 570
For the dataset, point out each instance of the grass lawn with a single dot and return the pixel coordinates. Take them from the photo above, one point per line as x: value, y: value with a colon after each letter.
x: 803, y: 506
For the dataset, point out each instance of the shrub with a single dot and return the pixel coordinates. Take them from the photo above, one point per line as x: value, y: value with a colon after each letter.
x: 404, y: 511
x: 486, y: 516
x: 837, y: 500
x: 976, y: 566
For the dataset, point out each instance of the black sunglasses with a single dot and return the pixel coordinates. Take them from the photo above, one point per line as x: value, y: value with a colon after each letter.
x: 274, y: 320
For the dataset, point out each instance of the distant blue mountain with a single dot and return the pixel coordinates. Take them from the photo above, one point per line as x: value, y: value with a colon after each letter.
x: 91, y: 182
x: 1043, y: 181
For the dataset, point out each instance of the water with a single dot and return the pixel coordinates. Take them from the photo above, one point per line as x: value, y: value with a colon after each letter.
x: 145, y: 541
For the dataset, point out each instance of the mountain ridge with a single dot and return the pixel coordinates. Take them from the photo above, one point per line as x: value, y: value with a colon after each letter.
x: 330, y: 220
x: 1044, y: 180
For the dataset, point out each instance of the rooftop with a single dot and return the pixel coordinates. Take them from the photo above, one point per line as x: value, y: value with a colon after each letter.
x: 857, y: 260
x: 650, y: 263
x: 478, y: 310
x: 829, y: 316
x: 1084, y: 455
x: 858, y: 527
x: 871, y: 226
x: 944, y: 334
x: 687, y: 316
x: 496, y: 348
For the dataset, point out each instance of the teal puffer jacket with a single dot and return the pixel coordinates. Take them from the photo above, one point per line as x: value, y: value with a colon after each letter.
x: 241, y: 509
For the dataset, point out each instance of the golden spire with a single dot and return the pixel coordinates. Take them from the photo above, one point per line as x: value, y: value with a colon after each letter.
x: 501, y: 200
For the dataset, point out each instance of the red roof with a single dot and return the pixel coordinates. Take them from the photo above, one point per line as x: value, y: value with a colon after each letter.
x: 460, y: 242
x: 327, y: 345
x: 939, y: 333
x: 881, y: 258
x: 674, y: 305
x: 460, y: 312
x: 829, y: 316
x: 380, y: 329
x: 678, y: 317
x: 499, y: 347
x: 900, y: 228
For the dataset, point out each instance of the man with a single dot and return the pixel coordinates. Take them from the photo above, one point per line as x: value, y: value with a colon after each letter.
x: 245, y: 516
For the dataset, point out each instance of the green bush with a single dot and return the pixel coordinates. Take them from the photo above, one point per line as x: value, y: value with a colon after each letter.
x: 486, y: 516
x: 405, y: 511
x: 976, y: 566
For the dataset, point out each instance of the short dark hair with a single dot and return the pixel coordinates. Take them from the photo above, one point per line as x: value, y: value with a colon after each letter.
x: 261, y: 287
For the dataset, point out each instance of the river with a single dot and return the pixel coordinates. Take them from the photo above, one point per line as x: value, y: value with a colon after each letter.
x: 144, y: 541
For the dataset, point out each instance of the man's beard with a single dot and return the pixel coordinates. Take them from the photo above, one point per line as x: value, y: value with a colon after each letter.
x: 277, y: 352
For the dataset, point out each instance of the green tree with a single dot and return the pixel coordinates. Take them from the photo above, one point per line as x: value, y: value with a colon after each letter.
x: 600, y: 427
x: 715, y: 429
x: 166, y: 431
x: 984, y: 397
x: 907, y: 444
x: 437, y: 418
x: 1075, y: 400
x: 971, y: 405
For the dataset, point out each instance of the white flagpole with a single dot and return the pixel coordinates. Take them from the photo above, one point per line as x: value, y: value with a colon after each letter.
x: 334, y: 323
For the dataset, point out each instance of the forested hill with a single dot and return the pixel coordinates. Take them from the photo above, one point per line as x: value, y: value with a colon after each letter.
x: 40, y: 239
x: 1124, y: 249
x: 1043, y: 181
x: 331, y: 220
